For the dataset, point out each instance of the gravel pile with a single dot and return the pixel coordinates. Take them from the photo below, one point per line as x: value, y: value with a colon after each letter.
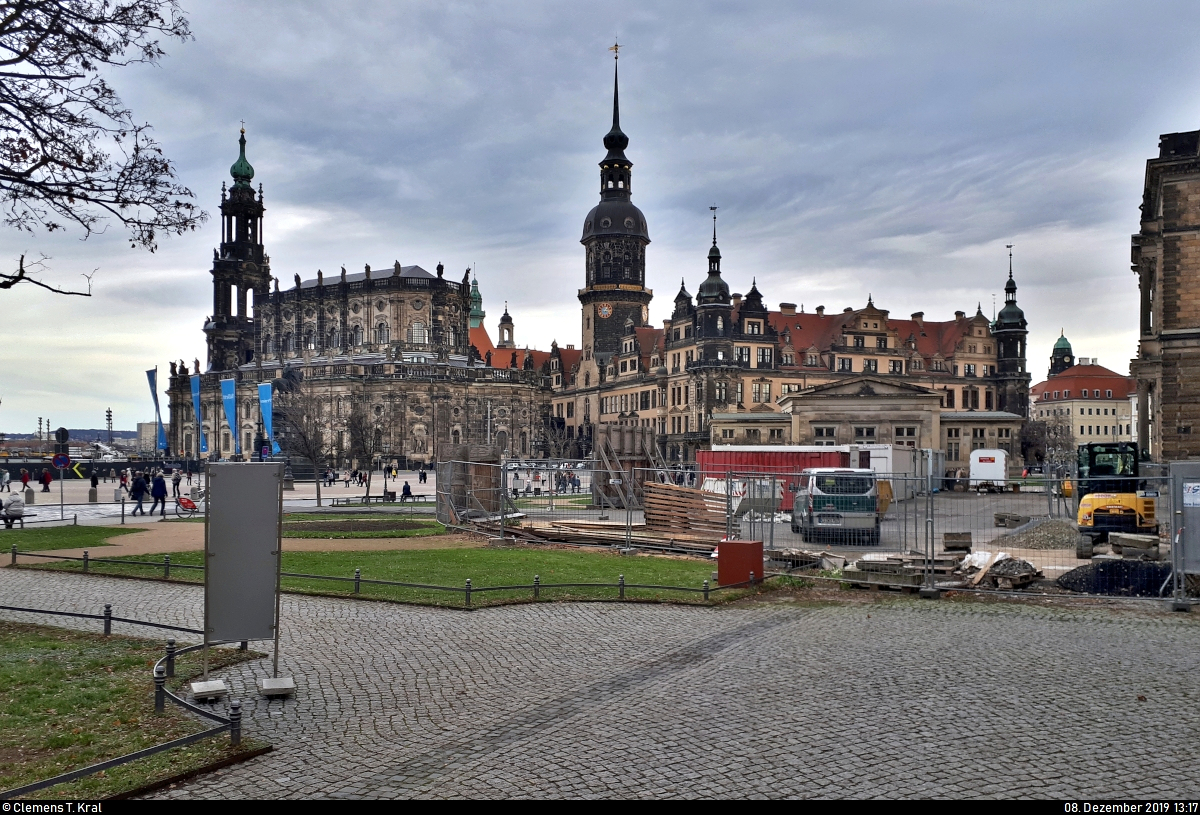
x: 1121, y: 578
x: 1056, y: 534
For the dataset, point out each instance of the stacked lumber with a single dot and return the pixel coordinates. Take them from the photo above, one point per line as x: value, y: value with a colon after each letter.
x: 592, y: 533
x: 677, y: 510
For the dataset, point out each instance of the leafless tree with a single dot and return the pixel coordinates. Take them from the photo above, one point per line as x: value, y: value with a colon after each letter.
x: 71, y: 153
x: 366, y: 439
x: 301, y: 414
x: 1060, y: 443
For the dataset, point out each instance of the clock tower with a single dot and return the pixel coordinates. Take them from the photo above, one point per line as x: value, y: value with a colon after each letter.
x: 614, y: 239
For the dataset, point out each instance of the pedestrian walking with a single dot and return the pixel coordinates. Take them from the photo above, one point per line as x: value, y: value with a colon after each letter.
x: 346, y: 479
x: 158, y: 491
x: 95, y: 480
x: 176, y: 479
x: 112, y: 475
x: 5, y: 481
x: 125, y: 480
x: 138, y: 493
x: 24, y: 479
x: 45, y: 478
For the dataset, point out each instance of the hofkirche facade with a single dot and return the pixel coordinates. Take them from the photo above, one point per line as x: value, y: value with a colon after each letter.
x: 411, y: 346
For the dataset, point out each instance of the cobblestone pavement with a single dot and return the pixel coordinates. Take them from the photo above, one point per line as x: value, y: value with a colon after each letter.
x: 896, y: 699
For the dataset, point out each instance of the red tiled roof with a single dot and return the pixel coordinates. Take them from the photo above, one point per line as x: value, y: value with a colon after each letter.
x: 1078, y: 377
x: 809, y: 330
x: 482, y: 342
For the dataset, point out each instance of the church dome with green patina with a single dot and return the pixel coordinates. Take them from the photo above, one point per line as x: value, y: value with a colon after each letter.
x: 1062, y: 344
x: 241, y: 170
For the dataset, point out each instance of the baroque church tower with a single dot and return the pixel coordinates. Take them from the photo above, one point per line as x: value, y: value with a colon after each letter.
x: 615, y: 239
x: 1010, y: 332
x: 240, y: 271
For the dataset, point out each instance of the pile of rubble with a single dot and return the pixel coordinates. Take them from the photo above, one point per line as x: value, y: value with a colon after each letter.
x: 1056, y: 534
x: 1119, y: 578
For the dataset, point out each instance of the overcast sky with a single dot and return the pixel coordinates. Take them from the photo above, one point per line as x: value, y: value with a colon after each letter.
x: 854, y: 148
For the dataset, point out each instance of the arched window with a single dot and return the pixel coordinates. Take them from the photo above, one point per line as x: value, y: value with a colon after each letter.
x: 310, y: 340
x: 587, y: 379
x: 418, y: 334
x: 288, y: 344
x: 268, y: 344
x: 381, y: 333
x: 356, y: 335
x: 333, y: 339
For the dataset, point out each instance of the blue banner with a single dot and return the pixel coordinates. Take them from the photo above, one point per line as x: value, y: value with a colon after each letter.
x: 152, y: 377
x: 229, y: 398
x: 199, y: 417
x: 266, y: 405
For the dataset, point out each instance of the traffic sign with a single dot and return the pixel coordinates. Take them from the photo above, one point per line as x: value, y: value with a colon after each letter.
x: 61, y: 461
x: 75, y: 467
x: 62, y: 435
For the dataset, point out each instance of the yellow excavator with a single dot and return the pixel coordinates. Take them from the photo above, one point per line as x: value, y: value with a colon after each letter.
x: 1112, y: 498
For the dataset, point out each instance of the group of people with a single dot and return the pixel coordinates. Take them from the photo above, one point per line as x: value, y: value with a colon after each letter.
x: 359, y: 477
x: 44, y: 477
x: 564, y: 482
x: 155, y: 487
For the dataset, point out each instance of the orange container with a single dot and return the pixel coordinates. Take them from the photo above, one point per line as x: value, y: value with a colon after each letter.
x: 737, y: 559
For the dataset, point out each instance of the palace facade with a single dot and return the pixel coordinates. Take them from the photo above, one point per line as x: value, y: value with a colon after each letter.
x: 411, y: 347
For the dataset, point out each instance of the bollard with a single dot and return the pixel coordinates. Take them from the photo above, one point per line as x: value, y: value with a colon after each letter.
x: 467, y: 594
x: 166, y: 567
x: 76, y: 521
x: 14, y: 554
x: 751, y: 579
x: 357, y: 581
x: 122, y: 510
x: 706, y: 591
x: 235, y: 723
x: 243, y: 645
x: 170, y: 656
x: 85, y: 561
x: 107, y: 619
x: 537, y: 581
x: 621, y: 585
x: 160, y: 689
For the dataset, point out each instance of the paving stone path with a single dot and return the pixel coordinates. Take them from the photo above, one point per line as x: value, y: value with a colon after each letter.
x: 900, y: 699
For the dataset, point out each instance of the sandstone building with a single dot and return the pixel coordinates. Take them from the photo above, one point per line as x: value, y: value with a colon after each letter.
x: 412, y: 348
x: 1166, y: 258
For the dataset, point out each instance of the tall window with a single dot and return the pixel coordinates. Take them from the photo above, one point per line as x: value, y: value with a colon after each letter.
x: 845, y: 364
x: 381, y: 333
x: 419, y: 335
x: 860, y: 342
x: 881, y: 342
x: 764, y: 357
x: 743, y: 354
x: 870, y: 366
x: 356, y: 335
x: 896, y: 366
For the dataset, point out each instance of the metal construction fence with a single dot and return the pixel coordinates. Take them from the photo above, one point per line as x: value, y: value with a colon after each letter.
x: 893, y: 530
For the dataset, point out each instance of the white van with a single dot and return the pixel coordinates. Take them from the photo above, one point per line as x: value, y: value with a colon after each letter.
x: 989, y: 470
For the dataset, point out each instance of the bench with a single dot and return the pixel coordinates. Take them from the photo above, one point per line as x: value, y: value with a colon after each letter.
x: 390, y: 497
x: 20, y: 520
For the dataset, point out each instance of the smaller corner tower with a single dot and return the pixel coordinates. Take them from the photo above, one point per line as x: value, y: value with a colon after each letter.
x: 1062, y: 357
x: 1010, y: 332
x: 240, y: 271
x: 714, y: 310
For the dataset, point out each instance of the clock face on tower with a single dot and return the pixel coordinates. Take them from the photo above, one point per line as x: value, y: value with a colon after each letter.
x: 604, y: 310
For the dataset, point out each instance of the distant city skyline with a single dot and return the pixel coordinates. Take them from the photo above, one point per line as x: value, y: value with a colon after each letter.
x: 854, y: 149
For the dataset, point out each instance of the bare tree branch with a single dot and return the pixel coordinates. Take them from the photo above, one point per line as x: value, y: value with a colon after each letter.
x: 7, y: 281
x: 71, y: 153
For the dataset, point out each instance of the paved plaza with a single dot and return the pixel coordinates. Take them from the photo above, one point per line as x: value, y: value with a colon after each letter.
x: 894, y: 698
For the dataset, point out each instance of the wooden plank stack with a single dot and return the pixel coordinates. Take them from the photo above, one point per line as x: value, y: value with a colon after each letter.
x: 673, y: 510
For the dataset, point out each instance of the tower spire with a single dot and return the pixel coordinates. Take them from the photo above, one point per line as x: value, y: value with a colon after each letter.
x: 615, y: 140
x: 714, y: 212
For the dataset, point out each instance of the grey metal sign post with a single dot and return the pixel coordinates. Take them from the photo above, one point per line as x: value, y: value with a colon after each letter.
x: 1185, y: 527
x: 243, y: 529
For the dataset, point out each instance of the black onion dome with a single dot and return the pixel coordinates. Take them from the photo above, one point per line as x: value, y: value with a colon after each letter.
x: 615, y: 217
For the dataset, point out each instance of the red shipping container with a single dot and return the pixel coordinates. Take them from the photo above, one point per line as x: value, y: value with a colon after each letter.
x: 784, y: 463
x: 737, y: 559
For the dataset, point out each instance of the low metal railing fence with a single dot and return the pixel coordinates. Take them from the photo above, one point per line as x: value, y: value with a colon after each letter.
x: 164, y: 668
x: 467, y: 590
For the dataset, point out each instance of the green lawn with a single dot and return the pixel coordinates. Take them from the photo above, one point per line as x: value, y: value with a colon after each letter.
x: 33, y: 539
x: 335, y: 526
x: 69, y: 699
x: 493, y: 566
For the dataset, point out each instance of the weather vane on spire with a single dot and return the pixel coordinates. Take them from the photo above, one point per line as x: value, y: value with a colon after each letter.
x: 714, y: 212
x: 1009, y: 247
x: 616, y: 49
